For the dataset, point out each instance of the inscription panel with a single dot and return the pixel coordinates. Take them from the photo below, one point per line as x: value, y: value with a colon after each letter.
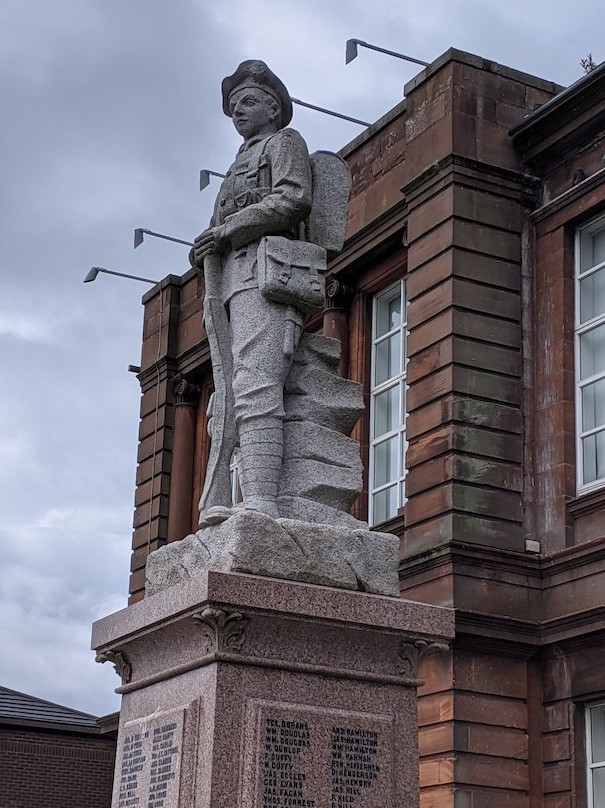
x: 297, y: 756
x: 149, y: 762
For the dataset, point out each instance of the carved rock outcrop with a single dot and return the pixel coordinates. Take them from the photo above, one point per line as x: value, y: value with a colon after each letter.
x: 322, y: 470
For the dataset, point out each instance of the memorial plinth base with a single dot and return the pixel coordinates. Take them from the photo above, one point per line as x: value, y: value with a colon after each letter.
x: 248, y: 692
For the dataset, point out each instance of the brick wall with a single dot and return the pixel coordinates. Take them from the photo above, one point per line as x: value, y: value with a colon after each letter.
x: 55, y: 770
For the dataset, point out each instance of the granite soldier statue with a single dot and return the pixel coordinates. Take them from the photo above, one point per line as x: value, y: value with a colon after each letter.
x: 278, y: 398
x: 262, y: 275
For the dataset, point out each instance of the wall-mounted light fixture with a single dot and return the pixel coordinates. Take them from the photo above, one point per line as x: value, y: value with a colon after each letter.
x: 140, y: 232
x: 351, y: 52
x: 329, y: 112
x: 205, y: 175
x: 94, y: 271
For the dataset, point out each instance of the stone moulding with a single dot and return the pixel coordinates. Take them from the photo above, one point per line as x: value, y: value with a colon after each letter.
x: 273, y: 625
x: 224, y: 635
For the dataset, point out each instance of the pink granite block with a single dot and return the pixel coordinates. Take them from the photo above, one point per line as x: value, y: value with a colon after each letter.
x: 260, y: 693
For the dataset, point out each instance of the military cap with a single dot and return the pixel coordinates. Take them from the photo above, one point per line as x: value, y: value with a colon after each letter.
x: 254, y: 73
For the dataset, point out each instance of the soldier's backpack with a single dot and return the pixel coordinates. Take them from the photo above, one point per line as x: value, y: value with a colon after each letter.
x: 327, y: 221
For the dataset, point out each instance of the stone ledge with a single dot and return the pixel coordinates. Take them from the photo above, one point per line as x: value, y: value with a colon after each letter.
x: 272, y: 596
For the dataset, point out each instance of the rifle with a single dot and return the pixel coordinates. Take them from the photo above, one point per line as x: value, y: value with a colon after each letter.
x: 223, y: 432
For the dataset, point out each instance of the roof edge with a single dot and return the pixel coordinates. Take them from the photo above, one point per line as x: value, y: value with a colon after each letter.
x: 559, y: 101
x: 463, y: 57
x: 369, y: 133
x: 54, y: 726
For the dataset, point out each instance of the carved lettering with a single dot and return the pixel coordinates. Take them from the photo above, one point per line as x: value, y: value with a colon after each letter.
x: 164, y: 755
x: 308, y: 756
x: 150, y: 763
x: 283, y: 782
x: 354, y: 765
x: 133, y: 762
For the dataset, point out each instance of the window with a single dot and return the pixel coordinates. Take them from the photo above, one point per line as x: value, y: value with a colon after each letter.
x: 595, y: 755
x: 387, y: 405
x: 590, y: 355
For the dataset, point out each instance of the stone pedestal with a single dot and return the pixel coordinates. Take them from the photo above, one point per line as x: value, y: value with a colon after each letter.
x: 248, y: 692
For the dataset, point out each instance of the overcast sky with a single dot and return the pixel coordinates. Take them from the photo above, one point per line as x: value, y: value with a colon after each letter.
x: 110, y: 108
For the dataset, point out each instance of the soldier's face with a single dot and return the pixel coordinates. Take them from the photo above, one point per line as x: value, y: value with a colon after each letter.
x: 253, y: 112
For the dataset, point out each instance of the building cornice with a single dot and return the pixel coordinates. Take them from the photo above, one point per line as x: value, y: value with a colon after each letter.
x: 511, y: 561
x: 395, y: 112
x: 501, y: 178
x: 543, y: 575
x: 563, y: 107
x: 382, y: 235
x: 569, y: 197
x: 470, y: 59
x: 583, y: 555
x: 169, y: 280
x: 161, y: 370
x: 563, y: 124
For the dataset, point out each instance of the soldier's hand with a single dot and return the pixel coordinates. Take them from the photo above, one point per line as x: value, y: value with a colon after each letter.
x: 205, y: 244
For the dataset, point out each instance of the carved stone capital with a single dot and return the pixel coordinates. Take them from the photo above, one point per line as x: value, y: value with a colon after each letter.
x: 185, y: 391
x: 120, y: 662
x: 338, y: 294
x: 412, y: 651
x: 222, y: 631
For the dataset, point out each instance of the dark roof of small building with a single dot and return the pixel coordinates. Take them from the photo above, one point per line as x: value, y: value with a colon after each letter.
x: 20, y: 709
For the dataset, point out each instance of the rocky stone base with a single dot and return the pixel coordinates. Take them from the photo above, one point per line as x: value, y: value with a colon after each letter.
x: 253, y: 543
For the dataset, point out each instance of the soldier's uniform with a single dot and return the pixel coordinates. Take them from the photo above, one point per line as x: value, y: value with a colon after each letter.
x: 267, y: 191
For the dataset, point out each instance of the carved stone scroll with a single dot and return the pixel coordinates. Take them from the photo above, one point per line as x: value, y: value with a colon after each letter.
x: 120, y: 661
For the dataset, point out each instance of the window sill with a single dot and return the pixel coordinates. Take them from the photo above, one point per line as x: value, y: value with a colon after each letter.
x: 394, y: 525
x: 587, y: 503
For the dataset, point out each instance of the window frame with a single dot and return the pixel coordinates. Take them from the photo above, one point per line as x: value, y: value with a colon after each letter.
x: 590, y: 764
x: 399, y: 379
x: 580, y: 328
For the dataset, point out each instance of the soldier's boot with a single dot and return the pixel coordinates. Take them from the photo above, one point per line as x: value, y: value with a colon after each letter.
x: 261, y: 450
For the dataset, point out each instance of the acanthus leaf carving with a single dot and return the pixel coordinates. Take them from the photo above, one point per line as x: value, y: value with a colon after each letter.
x: 412, y: 651
x: 120, y: 662
x: 222, y: 631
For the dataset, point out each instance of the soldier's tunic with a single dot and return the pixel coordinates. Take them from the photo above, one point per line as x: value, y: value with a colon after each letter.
x: 267, y: 190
